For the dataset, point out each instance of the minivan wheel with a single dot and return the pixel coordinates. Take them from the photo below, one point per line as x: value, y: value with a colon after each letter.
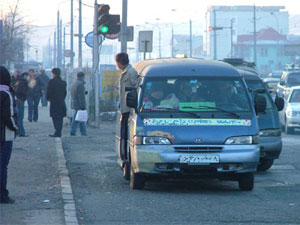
x: 265, y: 164
x: 246, y: 181
x: 137, y: 180
x: 126, y: 171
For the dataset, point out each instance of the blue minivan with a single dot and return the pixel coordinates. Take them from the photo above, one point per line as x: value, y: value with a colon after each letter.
x: 191, y: 118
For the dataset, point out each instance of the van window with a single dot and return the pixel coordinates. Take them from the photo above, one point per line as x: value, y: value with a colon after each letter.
x: 293, y: 79
x: 181, y: 93
x: 258, y: 85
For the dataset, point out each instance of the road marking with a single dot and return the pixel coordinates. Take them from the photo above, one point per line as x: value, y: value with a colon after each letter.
x: 283, y: 167
x: 67, y: 193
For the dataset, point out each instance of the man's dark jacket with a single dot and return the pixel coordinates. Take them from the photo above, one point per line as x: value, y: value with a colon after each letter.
x: 44, y: 81
x: 21, y: 89
x: 78, y: 95
x: 56, y: 94
x: 36, y: 91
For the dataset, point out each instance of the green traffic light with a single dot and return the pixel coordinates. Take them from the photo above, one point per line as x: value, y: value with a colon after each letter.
x: 104, y: 29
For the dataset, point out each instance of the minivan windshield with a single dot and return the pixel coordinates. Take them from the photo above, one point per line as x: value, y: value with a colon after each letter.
x: 293, y: 79
x: 295, y: 97
x: 221, y: 95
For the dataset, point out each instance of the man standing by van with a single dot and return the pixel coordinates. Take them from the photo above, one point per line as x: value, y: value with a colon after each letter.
x: 129, y: 78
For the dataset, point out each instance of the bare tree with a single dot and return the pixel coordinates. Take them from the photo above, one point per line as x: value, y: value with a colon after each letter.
x: 14, y: 36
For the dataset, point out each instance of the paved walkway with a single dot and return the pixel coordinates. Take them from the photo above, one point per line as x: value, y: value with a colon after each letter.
x: 34, y: 175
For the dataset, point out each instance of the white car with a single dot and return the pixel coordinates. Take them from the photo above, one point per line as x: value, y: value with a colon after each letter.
x: 290, y: 115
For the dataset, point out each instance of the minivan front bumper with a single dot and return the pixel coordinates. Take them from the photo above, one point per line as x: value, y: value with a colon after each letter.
x: 160, y: 159
x: 270, y: 147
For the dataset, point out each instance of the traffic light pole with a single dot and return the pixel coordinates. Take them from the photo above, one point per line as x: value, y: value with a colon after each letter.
x: 124, y: 27
x: 96, y: 64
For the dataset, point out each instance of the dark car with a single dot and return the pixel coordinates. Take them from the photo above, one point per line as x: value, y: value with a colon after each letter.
x: 289, y: 78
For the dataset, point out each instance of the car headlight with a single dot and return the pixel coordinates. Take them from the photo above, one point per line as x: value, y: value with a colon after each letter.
x: 292, y: 113
x: 154, y: 141
x: 243, y: 140
x: 270, y: 133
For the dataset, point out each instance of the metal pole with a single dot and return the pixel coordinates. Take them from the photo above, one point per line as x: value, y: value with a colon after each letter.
x: 54, y: 50
x: 49, y: 53
x: 191, y: 39
x: 79, y: 37
x: 231, y: 38
x: 159, y: 42
x: 60, y: 44
x: 124, y: 27
x: 172, y: 41
x: 215, y: 36
x: 58, y: 41
x: 254, y: 34
x: 64, y: 48
x: 96, y: 64
x: 71, y: 36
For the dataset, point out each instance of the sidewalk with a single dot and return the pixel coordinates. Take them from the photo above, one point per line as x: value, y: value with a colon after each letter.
x: 33, y: 177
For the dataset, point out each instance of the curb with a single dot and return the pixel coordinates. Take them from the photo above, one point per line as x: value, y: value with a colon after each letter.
x: 67, y: 194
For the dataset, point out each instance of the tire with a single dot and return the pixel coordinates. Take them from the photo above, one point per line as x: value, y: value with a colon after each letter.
x: 265, y: 164
x: 126, y: 171
x: 137, y: 180
x: 288, y: 130
x: 246, y: 181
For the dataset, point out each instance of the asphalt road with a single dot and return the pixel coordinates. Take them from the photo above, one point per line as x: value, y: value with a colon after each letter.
x: 103, y: 197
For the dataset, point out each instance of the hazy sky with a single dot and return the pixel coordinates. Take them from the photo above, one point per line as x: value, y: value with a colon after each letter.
x: 43, y: 12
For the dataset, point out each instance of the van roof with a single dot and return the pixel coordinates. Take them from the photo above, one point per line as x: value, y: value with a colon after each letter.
x: 169, y: 67
x: 248, y: 75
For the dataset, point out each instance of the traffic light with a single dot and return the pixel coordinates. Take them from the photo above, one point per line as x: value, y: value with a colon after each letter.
x: 107, y: 24
x: 103, y: 18
x: 211, y: 28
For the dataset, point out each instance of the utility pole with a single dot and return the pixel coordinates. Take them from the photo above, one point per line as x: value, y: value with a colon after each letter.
x: 71, y: 37
x: 172, y: 41
x: 231, y: 37
x: 49, y: 53
x: 54, y: 50
x: 96, y: 64
x: 124, y: 26
x: 64, y: 49
x: 215, y: 36
x: 60, y: 44
x: 191, y: 40
x: 80, y: 37
x: 254, y: 32
x: 58, y: 59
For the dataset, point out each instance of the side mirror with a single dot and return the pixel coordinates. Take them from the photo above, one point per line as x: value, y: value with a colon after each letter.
x: 131, y: 99
x: 279, y: 102
x: 260, y: 103
x: 282, y: 82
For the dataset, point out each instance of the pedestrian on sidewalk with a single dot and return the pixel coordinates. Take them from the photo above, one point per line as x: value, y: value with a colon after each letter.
x: 56, y: 94
x: 44, y: 81
x: 21, y: 96
x: 78, y: 103
x: 33, y: 96
x: 129, y: 78
x: 8, y: 129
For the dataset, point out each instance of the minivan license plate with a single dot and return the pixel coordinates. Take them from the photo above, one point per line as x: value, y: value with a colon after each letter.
x: 199, y: 159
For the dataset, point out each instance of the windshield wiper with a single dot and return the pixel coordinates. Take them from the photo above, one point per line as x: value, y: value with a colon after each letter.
x: 163, y: 108
x: 209, y: 107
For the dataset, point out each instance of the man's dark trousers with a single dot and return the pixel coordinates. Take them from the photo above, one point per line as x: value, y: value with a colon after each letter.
x: 5, y: 153
x: 124, y: 135
x: 20, y: 110
x: 58, y: 124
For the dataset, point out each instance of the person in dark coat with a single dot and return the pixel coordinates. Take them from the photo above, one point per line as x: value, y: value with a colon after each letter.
x: 8, y: 129
x: 44, y: 81
x: 21, y: 96
x: 56, y: 94
x: 34, y: 96
x: 78, y: 103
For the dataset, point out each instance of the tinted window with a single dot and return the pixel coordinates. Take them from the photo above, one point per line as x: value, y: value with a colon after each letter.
x: 258, y: 85
x: 295, y: 97
x: 181, y: 93
x: 293, y: 79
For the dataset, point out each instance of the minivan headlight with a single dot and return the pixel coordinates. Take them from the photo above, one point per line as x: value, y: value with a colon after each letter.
x: 156, y: 141
x: 270, y: 133
x: 243, y: 140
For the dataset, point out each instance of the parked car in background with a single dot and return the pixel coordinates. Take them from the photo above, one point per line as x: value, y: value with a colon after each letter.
x: 275, y: 74
x: 290, y: 116
x: 271, y: 84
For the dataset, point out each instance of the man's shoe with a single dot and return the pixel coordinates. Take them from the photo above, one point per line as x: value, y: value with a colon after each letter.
x: 53, y: 135
x: 7, y: 201
x: 30, y: 120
